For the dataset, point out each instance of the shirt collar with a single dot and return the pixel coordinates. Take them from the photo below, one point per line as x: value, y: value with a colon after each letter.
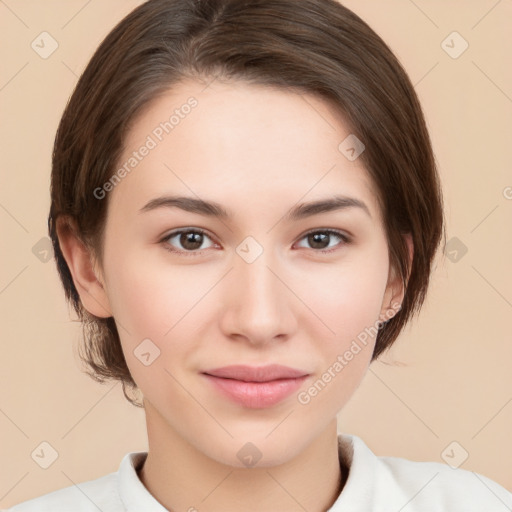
x: 133, y: 493
x: 358, y: 493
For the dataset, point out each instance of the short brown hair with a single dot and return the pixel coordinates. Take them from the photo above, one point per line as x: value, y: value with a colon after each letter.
x: 313, y: 46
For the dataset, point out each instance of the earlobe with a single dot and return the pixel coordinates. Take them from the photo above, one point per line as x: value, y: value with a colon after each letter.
x: 79, y: 259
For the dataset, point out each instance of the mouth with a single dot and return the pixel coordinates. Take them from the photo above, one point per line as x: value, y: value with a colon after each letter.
x: 256, y: 387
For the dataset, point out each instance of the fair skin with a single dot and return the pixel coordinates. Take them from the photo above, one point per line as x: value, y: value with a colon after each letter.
x: 258, y: 152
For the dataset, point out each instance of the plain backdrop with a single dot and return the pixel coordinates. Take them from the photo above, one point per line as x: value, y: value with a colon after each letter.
x: 443, y: 392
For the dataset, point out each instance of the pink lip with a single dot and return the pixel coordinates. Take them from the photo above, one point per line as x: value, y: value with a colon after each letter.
x: 256, y: 387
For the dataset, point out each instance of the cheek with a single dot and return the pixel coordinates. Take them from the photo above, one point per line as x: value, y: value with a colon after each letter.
x: 351, y: 309
x: 148, y: 312
x: 150, y: 300
x: 348, y: 300
x: 347, y: 297
x: 160, y: 303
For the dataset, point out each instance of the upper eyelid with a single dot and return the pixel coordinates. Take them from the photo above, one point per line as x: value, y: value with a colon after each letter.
x: 178, y: 231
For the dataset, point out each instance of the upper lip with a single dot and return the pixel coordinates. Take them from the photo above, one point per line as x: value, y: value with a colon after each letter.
x: 257, y: 373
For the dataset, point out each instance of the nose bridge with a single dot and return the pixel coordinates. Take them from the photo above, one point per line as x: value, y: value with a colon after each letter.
x: 258, y: 279
x: 259, y: 304
x: 259, y: 292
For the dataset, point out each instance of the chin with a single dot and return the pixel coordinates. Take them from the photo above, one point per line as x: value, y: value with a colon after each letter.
x: 260, y: 450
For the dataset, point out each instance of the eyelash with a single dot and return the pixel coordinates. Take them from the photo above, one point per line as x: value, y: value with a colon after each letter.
x: 345, y: 238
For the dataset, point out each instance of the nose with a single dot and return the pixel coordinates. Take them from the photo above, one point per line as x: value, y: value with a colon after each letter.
x: 258, y: 306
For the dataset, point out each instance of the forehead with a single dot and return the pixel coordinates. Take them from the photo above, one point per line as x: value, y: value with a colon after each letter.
x: 239, y: 143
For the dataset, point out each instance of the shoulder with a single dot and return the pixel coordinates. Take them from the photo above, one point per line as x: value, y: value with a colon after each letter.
x: 434, y: 483
x: 90, y: 496
x: 419, y: 486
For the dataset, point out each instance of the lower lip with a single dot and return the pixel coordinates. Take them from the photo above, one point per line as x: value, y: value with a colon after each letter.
x: 256, y: 395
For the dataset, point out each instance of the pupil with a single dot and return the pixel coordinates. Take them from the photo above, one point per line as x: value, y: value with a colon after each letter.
x: 191, y: 240
x: 319, y: 238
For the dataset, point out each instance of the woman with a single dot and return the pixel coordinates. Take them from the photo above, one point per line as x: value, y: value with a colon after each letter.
x: 245, y: 210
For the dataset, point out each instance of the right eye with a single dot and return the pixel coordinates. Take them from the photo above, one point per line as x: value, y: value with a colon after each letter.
x: 191, y: 239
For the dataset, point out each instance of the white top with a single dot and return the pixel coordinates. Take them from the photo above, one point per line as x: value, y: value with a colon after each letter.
x: 374, y: 484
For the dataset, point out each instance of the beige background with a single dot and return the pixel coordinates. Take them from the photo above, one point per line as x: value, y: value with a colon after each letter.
x: 455, y: 384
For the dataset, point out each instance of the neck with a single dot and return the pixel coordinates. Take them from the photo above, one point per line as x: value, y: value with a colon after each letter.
x: 182, y: 478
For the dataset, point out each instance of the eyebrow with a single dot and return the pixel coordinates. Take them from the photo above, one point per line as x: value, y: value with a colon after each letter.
x: 213, y: 209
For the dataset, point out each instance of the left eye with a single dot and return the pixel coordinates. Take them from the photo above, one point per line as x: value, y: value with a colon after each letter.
x: 191, y: 240
x: 319, y: 237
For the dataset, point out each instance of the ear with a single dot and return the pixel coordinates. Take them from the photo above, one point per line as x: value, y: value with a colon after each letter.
x: 395, y: 289
x: 81, y: 265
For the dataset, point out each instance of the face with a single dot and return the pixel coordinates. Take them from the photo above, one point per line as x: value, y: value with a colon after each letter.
x: 269, y: 283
